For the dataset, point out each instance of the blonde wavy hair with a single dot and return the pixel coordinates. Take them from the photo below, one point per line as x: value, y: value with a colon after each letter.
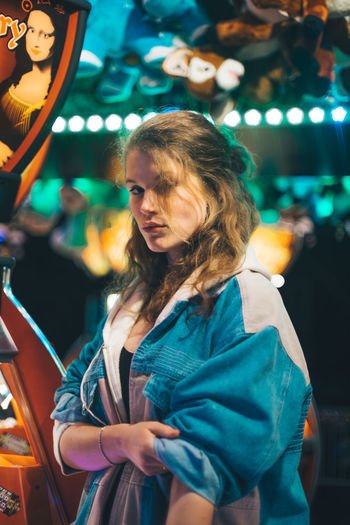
x: 197, y: 147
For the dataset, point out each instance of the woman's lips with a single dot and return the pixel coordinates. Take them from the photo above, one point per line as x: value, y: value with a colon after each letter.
x: 35, y: 51
x: 153, y: 228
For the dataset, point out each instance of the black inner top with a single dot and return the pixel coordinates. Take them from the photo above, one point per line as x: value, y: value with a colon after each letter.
x: 124, y: 372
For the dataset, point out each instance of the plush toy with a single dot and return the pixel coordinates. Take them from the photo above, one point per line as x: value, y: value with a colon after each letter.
x: 284, y: 58
x: 127, y: 41
x: 339, y: 32
x: 187, y: 16
x: 207, y: 75
x: 300, y: 28
x: 123, y: 44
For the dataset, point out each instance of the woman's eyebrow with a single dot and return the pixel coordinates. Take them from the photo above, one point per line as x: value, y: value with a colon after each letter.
x: 129, y: 180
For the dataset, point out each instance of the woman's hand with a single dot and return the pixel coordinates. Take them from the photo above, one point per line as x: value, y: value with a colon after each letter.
x: 137, y: 444
x: 124, y: 442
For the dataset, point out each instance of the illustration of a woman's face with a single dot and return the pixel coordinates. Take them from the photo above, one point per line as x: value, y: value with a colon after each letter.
x: 40, y: 36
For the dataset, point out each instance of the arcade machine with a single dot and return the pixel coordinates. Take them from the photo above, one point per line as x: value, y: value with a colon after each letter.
x: 40, y: 44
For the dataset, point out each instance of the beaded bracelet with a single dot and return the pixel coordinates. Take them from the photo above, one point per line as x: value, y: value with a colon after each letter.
x: 101, y: 448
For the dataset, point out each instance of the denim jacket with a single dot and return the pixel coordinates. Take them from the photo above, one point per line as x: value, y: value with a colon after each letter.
x: 236, y: 386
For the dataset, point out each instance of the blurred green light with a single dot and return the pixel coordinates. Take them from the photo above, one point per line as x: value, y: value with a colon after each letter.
x: 269, y: 216
x: 44, y: 196
x: 346, y: 183
x: 324, y: 206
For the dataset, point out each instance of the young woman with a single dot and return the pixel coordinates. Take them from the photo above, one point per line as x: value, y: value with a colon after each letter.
x: 23, y: 94
x: 188, y: 406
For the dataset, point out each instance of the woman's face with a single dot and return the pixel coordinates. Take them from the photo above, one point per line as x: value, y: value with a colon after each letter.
x: 40, y: 36
x: 185, y: 211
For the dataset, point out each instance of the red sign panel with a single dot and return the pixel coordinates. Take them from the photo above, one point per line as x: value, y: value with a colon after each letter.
x: 40, y: 44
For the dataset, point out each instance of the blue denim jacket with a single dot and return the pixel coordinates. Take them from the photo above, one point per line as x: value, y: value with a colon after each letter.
x: 236, y: 386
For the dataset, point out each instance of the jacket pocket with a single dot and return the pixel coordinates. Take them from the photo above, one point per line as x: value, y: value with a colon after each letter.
x: 167, y: 369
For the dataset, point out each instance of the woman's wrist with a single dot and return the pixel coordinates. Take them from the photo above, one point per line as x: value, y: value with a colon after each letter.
x: 100, y: 446
x: 111, y: 443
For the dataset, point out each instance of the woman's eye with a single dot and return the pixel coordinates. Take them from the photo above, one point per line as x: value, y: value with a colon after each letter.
x: 136, y: 190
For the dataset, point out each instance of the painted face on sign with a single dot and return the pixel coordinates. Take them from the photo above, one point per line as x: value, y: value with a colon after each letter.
x: 40, y: 36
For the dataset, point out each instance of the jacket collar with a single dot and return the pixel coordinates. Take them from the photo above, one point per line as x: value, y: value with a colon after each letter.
x: 128, y: 315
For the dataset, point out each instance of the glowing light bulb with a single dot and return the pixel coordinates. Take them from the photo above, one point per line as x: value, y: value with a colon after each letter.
x: 316, y: 115
x: 149, y: 115
x: 232, y: 119
x: 94, y: 123
x: 274, y: 117
x: 76, y: 124
x: 338, y: 114
x: 59, y: 125
x: 113, y: 122
x: 295, y: 116
x: 253, y: 117
x: 132, y: 121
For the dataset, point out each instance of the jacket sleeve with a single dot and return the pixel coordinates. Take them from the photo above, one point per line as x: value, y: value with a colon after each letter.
x: 67, y: 397
x: 237, y: 414
x: 69, y: 409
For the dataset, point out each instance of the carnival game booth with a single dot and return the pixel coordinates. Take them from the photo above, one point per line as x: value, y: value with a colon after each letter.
x: 40, y: 44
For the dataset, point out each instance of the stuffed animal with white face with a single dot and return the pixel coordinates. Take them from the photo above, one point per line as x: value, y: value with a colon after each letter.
x: 206, y: 74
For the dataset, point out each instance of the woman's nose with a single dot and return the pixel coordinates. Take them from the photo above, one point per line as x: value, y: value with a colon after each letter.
x: 149, y: 204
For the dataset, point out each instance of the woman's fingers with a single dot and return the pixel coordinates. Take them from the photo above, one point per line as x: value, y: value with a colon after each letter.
x: 162, y: 430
